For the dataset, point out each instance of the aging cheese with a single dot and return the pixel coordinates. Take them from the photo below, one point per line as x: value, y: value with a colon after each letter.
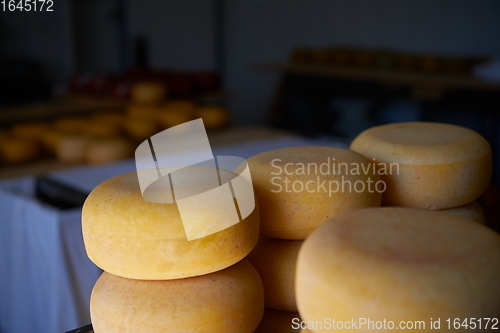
x: 108, y: 150
x: 148, y: 92
x: 428, y: 165
x: 275, y: 260
x: 130, y: 237
x: 398, y: 264
x: 230, y: 300
x: 472, y: 211
x: 301, y: 187
x: 17, y: 150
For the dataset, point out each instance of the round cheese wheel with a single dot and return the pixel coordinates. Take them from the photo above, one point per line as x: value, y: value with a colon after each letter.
x: 108, y: 150
x: 213, y: 116
x: 17, y: 150
x: 230, y: 300
x: 71, y: 125
x: 108, y: 117
x: 275, y: 260
x: 50, y: 141
x: 30, y: 130
x: 176, y: 112
x: 102, y: 130
x: 72, y: 148
x: 472, y: 211
x: 139, y: 129
x: 128, y: 236
x: 301, y: 187
x: 428, y: 165
x: 143, y: 111
x: 277, y: 321
x: 398, y: 264
x: 148, y: 92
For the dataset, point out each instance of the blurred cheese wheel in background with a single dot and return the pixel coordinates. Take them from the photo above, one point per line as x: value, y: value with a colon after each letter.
x: 50, y: 141
x: 277, y: 321
x: 30, y: 130
x: 472, y: 211
x: 108, y: 150
x: 428, y: 165
x: 176, y: 112
x: 139, y: 129
x: 113, y: 118
x: 148, y: 92
x: 143, y: 111
x: 71, y: 125
x: 299, y: 188
x: 72, y: 148
x: 213, y: 116
x: 128, y: 236
x: 18, y: 150
x: 230, y: 300
x: 275, y: 260
x: 394, y: 264
x: 102, y: 130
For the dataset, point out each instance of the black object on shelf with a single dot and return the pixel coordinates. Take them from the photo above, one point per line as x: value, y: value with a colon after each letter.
x: 84, y: 329
x: 57, y: 194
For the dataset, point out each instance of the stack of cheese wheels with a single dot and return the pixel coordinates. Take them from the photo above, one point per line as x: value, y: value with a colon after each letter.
x: 394, y: 268
x: 298, y: 189
x: 155, y: 280
x: 142, y: 114
x: 429, y: 165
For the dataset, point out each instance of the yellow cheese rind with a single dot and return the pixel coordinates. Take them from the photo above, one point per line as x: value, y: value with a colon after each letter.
x: 133, y: 238
x: 294, y: 215
x: 231, y: 300
x: 472, y: 211
x: 275, y: 260
x: 428, y: 165
x: 277, y: 321
x: 399, y: 264
x: 421, y: 143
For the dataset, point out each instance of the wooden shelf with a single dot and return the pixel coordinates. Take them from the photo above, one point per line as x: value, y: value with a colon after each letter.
x: 390, y: 77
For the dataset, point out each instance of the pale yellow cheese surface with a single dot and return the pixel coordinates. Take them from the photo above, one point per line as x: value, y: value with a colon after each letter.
x: 295, y: 213
x: 399, y: 264
x: 230, y: 300
x: 275, y: 260
x: 128, y: 236
x: 428, y: 165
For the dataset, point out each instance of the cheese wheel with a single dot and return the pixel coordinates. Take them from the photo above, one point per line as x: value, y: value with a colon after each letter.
x: 301, y: 187
x: 71, y: 125
x: 143, y: 111
x: 230, y: 300
x: 108, y: 118
x: 72, y: 148
x: 102, y: 130
x: 275, y: 260
x: 148, y: 92
x: 134, y: 238
x: 139, y: 129
x: 277, y: 321
x: 398, y: 264
x: 50, y: 141
x: 30, y: 130
x: 472, y: 211
x: 176, y: 112
x: 428, y: 165
x: 17, y: 150
x: 108, y: 150
x: 213, y: 116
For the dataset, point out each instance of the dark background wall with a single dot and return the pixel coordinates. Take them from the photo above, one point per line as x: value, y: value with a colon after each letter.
x: 88, y: 35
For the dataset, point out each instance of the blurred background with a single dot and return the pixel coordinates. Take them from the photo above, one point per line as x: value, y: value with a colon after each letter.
x: 85, y: 83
